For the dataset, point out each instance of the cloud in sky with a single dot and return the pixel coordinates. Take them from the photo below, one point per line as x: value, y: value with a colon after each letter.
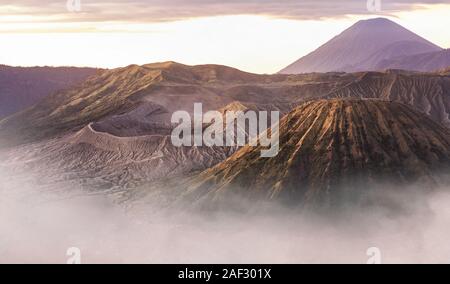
x: 149, y: 11
x: 113, y: 33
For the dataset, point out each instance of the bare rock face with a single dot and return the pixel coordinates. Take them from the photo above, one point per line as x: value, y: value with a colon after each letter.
x: 333, y: 152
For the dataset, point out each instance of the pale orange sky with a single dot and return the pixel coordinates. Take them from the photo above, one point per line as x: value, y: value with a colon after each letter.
x: 257, y: 42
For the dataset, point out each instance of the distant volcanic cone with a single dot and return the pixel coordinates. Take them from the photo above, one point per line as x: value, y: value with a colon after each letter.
x: 363, y: 46
x: 333, y: 152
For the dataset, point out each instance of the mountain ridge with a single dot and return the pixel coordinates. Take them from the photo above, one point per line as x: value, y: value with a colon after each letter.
x: 21, y: 87
x: 144, y: 89
x: 421, y: 62
x: 331, y: 151
x: 356, y: 48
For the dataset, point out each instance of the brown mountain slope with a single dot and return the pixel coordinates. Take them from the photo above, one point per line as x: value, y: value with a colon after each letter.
x: 333, y: 151
x: 170, y: 85
x: 116, y: 99
x: 427, y: 92
x: 108, y: 132
x: 116, y: 154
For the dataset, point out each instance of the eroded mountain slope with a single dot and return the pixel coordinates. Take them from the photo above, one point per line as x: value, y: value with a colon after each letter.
x: 126, y: 91
x: 333, y: 152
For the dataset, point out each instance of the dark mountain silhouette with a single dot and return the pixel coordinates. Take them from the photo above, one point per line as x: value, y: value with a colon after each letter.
x: 21, y: 87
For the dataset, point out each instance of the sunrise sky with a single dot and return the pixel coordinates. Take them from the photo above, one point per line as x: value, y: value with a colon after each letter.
x: 260, y: 36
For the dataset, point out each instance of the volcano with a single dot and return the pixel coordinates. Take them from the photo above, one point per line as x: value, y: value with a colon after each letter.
x: 112, y: 132
x: 362, y: 47
x: 334, y: 151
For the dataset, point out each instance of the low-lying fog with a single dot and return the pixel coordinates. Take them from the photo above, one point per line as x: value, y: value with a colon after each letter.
x: 41, y: 230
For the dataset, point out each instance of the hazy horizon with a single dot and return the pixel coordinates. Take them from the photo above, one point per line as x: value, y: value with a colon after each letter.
x: 99, y: 35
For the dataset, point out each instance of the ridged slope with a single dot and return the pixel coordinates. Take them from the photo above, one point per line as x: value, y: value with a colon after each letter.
x: 332, y: 151
x: 120, y: 101
x: 428, y: 93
